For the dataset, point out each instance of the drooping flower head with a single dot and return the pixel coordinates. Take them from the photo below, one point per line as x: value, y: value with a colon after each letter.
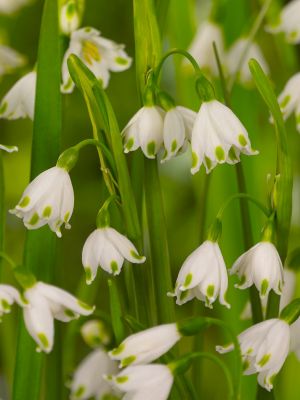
x: 145, y: 130
x: 289, y: 99
x: 146, y: 346
x: 237, y: 52
x: 201, y: 47
x: 48, y: 199
x: 19, y: 101
x: 8, y: 296
x: 95, y: 332
x: 203, y: 275
x: 264, y: 348
x: 218, y: 137
x: 46, y: 303
x: 99, y: 54
x: 147, y: 382
x: 288, y: 22
x: 70, y: 16
x: 10, y: 59
x: 88, y: 378
x: 261, y: 266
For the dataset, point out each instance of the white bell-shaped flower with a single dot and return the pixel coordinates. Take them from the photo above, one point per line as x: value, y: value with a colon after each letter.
x: 48, y: 199
x: 145, y: 130
x: 88, y: 381
x: 146, y: 346
x: 9, y: 149
x: 46, y: 303
x: 289, y: 99
x: 218, y: 137
x: 237, y: 52
x: 261, y: 266
x: 177, y: 129
x: 203, y: 275
x: 264, y: 348
x: 10, y: 59
x: 147, y: 382
x: 201, y: 47
x: 107, y: 248
x: 8, y: 296
x: 11, y: 6
x: 94, y: 332
x: 101, y: 56
x: 288, y: 22
x: 19, y: 101
x: 69, y: 17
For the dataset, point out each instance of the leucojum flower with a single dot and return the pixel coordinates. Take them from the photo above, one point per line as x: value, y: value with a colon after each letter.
x: 203, y: 275
x: 101, y: 56
x: 88, y: 378
x: 147, y: 382
x: 19, y: 101
x: 10, y: 59
x: 237, y: 52
x: 146, y: 346
x: 289, y: 99
x: 69, y: 16
x: 288, y: 22
x: 107, y: 248
x: 48, y: 199
x: 46, y: 303
x: 264, y: 348
x: 201, y: 47
x: 218, y: 137
x: 8, y: 296
x: 261, y: 266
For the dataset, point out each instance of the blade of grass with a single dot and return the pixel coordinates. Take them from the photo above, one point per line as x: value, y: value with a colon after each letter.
x: 40, y: 247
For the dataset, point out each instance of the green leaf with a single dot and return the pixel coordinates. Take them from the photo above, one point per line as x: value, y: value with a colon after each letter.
x: 116, y: 311
x: 40, y: 247
x: 293, y: 259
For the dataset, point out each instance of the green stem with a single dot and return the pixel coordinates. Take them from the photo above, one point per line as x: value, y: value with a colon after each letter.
x: 40, y: 247
x: 115, y: 310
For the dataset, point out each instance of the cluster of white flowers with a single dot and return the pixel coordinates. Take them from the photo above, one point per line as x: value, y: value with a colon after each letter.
x: 42, y: 303
x: 216, y: 135
x: 235, y: 60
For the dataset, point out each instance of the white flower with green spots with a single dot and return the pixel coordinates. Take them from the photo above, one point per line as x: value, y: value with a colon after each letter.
x: 10, y: 59
x: 146, y: 346
x: 19, y: 101
x: 261, y: 265
x: 288, y: 22
x: 177, y: 128
x: 289, y: 99
x: 88, y: 381
x: 69, y: 17
x: 9, y: 149
x: 107, y: 248
x: 48, y: 199
x: 236, y: 52
x: 201, y: 47
x: 203, y: 275
x: 145, y: 130
x: 100, y: 55
x: 8, y: 296
x: 95, y: 332
x: 46, y: 303
x: 147, y: 382
x: 264, y: 348
x: 218, y: 137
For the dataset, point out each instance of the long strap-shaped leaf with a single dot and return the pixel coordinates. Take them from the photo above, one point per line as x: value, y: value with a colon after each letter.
x: 40, y: 245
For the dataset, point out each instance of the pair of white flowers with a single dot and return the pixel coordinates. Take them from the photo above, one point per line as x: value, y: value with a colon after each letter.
x: 243, y: 50
x: 101, y: 55
x: 217, y: 136
x: 49, y: 199
x: 204, y: 276
x: 42, y: 303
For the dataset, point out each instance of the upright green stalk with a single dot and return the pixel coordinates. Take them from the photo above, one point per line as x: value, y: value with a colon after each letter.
x: 148, y: 52
x: 39, y: 255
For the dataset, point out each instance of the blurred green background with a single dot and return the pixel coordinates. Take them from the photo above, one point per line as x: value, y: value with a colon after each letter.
x: 181, y: 191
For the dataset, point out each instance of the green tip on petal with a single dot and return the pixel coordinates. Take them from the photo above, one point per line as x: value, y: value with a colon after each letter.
x: 127, y: 361
x: 220, y: 153
x: 43, y: 339
x: 264, y: 287
x: 242, y: 140
x: 24, y: 202
x: 121, y: 379
x: 264, y: 360
x: 151, y: 149
x: 129, y: 144
x: 79, y: 391
x: 118, y: 350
